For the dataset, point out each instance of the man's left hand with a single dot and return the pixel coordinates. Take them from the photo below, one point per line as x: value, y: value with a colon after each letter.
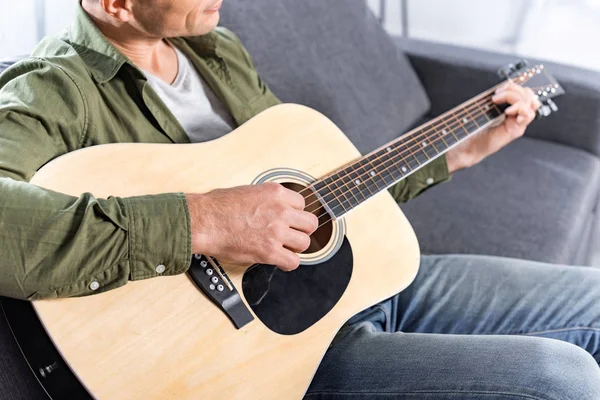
x: 523, y: 106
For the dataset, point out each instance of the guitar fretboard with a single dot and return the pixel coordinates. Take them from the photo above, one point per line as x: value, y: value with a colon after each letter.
x: 348, y: 187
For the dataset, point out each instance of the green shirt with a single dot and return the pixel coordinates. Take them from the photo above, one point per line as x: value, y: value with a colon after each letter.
x: 78, y: 91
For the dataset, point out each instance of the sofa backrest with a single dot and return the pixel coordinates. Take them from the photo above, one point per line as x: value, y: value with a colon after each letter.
x: 4, y: 64
x: 333, y: 56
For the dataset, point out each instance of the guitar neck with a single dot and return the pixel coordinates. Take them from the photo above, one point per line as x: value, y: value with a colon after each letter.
x: 358, y: 181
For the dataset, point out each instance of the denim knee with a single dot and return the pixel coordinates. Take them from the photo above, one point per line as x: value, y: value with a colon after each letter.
x: 563, y: 371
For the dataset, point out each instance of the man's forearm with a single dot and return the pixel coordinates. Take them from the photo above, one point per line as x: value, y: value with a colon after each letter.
x: 54, y: 245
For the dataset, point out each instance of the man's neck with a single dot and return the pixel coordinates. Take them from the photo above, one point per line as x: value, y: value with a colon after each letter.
x: 150, y: 54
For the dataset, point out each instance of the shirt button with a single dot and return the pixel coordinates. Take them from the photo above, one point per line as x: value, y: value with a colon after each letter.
x: 94, y: 285
x: 429, y: 181
x: 160, y: 269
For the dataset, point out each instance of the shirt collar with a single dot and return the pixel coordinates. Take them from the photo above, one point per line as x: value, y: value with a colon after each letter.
x: 103, y: 59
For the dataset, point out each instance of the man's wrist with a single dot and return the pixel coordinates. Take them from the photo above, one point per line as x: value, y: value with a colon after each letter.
x: 201, y: 222
x: 456, y: 160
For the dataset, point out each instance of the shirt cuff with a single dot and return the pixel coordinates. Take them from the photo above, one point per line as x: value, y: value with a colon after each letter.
x: 430, y: 175
x: 160, y: 241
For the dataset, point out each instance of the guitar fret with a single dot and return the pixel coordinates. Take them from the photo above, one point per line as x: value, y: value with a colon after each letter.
x: 430, y: 149
x: 342, y: 190
x: 392, y: 164
x: 442, y: 142
x: 482, y: 119
x: 447, y: 134
x: 457, y: 126
x: 329, y: 199
x: 494, y: 112
x: 359, y: 181
x: 355, y: 186
x: 369, y: 176
x: 335, y: 198
x: 387, y: 168
x: 409, y: 156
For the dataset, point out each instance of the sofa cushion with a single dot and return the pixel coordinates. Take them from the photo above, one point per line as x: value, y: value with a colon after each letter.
x: 531, y: 200
x: 335, y: 57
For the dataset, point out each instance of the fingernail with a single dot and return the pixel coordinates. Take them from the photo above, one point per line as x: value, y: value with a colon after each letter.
x: 495, y: 98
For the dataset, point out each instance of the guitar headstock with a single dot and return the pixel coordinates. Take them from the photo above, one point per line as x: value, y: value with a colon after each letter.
x: 537, y: 79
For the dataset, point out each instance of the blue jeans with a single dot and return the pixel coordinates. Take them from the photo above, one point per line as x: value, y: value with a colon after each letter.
x: 473, y: 327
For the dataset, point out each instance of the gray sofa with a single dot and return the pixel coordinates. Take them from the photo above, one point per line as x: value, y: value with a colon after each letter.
x: 537, y: 199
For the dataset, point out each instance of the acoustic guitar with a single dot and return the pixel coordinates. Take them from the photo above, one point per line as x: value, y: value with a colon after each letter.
x: 243, y: 332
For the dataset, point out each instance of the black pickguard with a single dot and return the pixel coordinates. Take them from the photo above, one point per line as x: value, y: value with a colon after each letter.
x: 290, y: 302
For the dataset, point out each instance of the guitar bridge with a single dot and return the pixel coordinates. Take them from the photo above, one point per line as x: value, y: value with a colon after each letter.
x: 209, y: 276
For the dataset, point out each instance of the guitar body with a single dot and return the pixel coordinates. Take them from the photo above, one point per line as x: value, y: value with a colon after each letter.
x: 163, y: 338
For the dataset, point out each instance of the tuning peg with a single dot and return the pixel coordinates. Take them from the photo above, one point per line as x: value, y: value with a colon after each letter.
x: 547, y: 108
x: 521, y: 64
x: 506, y: 72
x: 543, y: 111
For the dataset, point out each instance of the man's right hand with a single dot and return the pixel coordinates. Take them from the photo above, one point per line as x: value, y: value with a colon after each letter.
x: 263, y: 224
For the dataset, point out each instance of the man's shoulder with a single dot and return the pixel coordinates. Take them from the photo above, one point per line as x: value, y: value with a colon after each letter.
x: 53, y: 56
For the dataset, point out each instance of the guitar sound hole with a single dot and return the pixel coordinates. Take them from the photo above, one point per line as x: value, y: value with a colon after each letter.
x: 290, y: 302
x: 322, y: 236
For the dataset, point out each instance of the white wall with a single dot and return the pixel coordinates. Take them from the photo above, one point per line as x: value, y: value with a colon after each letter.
x: 471, y: 23
x: 566, y: 31
x: 17, y: 27
x: 561, y: 31
x: 59, y: 13
x: 18, y: 23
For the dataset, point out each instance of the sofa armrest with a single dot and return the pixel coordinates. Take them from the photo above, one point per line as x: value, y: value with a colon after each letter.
x: 452, y: 74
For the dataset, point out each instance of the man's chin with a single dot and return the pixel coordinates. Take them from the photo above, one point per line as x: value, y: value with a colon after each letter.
x: 208, y: 26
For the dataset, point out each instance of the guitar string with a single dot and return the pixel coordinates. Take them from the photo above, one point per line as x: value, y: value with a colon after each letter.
x: 402, y: 155
x: 432, y: 127
x: 370, y: 177
x: 399, y: 155
x: 438, y: 139
x: 413, y: 141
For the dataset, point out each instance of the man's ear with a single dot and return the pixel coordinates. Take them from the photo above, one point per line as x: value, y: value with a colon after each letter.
x: 118, y: 9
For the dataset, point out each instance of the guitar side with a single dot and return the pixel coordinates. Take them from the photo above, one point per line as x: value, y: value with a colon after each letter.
x: 162, y: 338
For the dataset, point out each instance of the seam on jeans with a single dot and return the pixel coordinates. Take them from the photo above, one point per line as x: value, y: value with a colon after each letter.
x: 558, y: 330
x: 387, y: 326
x: 396, y: 393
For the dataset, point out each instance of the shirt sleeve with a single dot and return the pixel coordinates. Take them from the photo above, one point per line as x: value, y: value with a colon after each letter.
x: 55, y: 245
x: 430, y: 175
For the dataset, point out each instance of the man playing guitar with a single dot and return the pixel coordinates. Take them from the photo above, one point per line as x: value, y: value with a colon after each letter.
x: 422, y: 343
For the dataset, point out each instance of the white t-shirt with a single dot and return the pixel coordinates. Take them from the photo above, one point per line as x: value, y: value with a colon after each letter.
x: 197, y: 108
